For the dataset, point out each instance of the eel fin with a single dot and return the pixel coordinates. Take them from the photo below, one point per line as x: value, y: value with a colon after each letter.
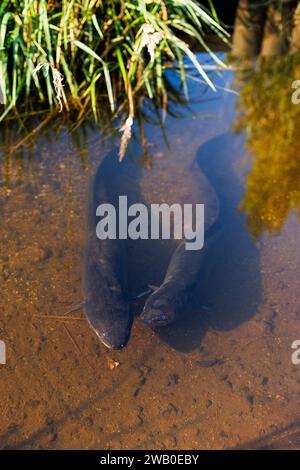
x: 151, y: 288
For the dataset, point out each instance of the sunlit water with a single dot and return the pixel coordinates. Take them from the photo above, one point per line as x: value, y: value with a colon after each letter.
x: 220, y: 378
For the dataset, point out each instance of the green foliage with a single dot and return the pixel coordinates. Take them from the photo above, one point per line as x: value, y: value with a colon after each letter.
x: 101, y: 47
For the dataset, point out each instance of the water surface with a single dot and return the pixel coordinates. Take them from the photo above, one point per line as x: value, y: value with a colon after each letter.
x: 220, y: 378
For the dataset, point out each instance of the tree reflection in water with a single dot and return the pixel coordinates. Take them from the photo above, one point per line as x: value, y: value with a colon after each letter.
x: 272, y: 125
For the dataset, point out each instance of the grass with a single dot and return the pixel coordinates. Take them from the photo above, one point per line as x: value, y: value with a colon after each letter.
x: 79, y: 53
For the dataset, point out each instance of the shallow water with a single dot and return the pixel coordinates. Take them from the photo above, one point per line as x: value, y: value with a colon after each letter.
x: 220, y: 378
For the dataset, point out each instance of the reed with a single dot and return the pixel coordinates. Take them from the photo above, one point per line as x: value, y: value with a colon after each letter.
x: 72, y: 53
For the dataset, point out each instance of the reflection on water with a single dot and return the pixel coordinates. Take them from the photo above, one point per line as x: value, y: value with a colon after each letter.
x: 271, y: 121
x: 222, y: 376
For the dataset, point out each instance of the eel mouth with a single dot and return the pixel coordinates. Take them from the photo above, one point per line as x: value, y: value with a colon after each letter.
x: 113, y: 333
x: 157, y: 311
x: 111, y: 341
x: 156, y: 317
x: 113, y: 346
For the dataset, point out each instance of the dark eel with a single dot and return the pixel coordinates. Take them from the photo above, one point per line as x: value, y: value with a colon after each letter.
x: 167, y: 303
x: 104, y: 282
